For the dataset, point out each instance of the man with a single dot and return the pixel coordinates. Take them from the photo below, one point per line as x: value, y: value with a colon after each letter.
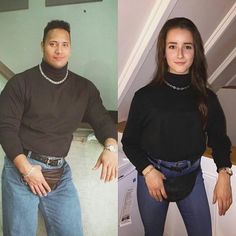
x: 39, y: 111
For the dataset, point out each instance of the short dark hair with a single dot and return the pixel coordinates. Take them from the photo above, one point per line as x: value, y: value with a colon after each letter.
x: 56, y: 24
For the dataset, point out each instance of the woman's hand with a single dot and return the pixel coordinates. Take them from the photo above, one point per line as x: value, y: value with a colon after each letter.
x: 154, y: 182
x: 223, y: 192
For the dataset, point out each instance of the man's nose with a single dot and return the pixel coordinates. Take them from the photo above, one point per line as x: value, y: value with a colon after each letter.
x: 58, y: 49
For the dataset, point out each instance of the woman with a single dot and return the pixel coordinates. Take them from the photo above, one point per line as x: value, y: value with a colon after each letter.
x: 165, y: 135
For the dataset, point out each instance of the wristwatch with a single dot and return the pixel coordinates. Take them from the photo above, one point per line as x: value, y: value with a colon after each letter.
x: 227, y: 170
x: 111, y: 148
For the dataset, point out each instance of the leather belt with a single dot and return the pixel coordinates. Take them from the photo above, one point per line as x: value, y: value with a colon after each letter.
x: 48, y: 160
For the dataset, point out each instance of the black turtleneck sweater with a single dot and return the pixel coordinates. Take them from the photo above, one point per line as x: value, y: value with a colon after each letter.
x: 40, y: 116
x: 164, y: 123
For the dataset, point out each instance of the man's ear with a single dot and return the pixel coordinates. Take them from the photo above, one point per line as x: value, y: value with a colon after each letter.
x: 42, y: 46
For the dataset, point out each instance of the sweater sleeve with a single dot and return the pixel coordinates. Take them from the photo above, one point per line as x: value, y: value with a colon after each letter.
x: 98, y: 117
x: 216, y: 132
x: 11, y: 110
x: 131, y: 139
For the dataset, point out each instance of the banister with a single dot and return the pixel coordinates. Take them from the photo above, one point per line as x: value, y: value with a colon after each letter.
x: 229, y: 87
x: 5, y: 71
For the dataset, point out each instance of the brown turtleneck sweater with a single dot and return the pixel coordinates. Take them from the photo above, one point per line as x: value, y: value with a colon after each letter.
x: 40, y: 116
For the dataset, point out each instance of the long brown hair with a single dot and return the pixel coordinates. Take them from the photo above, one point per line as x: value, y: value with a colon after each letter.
x: 198, y: 69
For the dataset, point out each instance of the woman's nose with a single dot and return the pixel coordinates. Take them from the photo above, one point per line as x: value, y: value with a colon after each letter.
x: 180, y: 52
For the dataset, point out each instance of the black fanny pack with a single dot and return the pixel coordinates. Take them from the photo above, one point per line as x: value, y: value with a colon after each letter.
x: 177, y: 188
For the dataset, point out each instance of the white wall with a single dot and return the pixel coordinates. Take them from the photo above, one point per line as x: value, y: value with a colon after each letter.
x: 227, y: 99
x: 132, y: 16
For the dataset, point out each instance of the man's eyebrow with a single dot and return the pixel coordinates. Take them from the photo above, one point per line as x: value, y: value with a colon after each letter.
x: 55, y: 41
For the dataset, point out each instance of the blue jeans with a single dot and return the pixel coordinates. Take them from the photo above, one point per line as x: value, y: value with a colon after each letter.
x: 60, y: 208
x: 194, y: 208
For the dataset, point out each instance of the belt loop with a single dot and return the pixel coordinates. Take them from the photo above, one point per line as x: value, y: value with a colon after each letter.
x: 29, y: 154
x: 159, y: 164
x: 189, y: 164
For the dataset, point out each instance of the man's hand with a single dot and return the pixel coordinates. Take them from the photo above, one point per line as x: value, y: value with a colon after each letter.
x: 223, y: 193
x: 37, y: 182
x: 33, y: 175
x: 109, y: 162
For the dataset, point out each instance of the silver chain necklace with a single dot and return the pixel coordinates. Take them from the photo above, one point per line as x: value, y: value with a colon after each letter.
x: 50, y: 80
x: 176, y: 88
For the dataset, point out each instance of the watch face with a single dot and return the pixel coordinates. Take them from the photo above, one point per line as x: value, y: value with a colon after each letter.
x: 111, y: 148
x: 229, y: 171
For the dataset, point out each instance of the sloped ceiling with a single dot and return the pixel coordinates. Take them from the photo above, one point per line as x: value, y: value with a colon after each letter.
x: 132, y: 17
x: 216, y: 22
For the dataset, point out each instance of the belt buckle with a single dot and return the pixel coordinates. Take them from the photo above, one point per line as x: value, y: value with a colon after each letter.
x: 48, y: 161
x: 53, y: 162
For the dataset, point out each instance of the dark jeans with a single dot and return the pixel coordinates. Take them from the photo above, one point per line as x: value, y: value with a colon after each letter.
x: 194, y: 208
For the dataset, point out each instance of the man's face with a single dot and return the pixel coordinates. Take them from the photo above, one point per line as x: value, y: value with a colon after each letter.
x: 56, y: 48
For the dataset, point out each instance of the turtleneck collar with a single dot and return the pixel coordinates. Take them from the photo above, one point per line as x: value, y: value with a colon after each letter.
x: 178, y: 80
x: 54, y: 73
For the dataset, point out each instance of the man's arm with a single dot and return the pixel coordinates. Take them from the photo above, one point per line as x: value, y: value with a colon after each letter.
x: 105, y: 132
x: 109, y: 161
x: 12, y: 102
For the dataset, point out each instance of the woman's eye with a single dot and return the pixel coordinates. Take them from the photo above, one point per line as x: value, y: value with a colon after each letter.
x: 171, y: 46
x: 65, y: 45
x: 188, y: 47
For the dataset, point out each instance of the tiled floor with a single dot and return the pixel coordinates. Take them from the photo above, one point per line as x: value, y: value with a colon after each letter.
x: 98, y: 200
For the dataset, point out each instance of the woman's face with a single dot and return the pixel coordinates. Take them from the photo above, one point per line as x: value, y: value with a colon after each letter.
x: 179, y: 50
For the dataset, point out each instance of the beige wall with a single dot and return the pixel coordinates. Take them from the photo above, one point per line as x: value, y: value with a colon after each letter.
x: 227, y: 99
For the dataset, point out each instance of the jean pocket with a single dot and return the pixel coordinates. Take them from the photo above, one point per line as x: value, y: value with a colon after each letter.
x: 8, y: 163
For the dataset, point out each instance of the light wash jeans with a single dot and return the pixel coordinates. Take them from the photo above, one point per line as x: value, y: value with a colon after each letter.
x: 60, y: 208
x: 194, y: 208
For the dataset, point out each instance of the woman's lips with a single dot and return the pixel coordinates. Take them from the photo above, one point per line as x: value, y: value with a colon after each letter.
x: 179, y: 63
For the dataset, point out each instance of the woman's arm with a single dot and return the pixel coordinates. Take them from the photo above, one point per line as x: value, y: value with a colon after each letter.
x: 221, y: 145
x: 132, y: 135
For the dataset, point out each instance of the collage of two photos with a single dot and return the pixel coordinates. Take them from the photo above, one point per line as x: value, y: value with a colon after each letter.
x: 116, y: 117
